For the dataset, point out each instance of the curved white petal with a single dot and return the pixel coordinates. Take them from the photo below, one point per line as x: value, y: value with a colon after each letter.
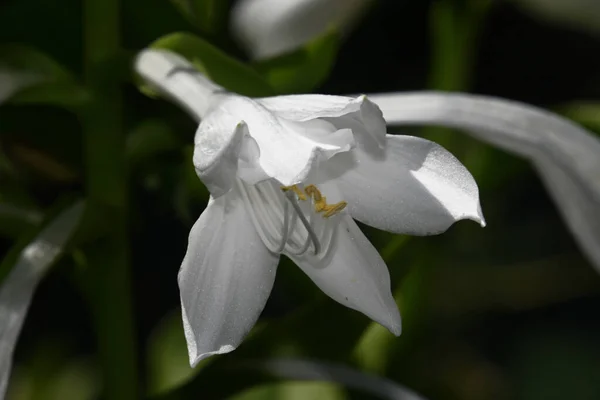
x: 178, y: 79
x: 288, y: 149
x: 267, y: 28
x: 18, y: 287
x: 413, y: 187
x: 223, y: 151
x: 553, y: 143
x: 356, y: 113
x: 225, y: 278
x: 580, y: 211
x: 353, y: 274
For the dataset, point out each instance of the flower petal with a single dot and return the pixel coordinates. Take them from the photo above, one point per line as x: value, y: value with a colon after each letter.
x: 224, y: 150
x: 353, y: 274
x: 267, y: 28
x: 356, y: 113
x: 554, y: 144
x: 288, y: 150
x: 225, y: 278
x: 415, y: 187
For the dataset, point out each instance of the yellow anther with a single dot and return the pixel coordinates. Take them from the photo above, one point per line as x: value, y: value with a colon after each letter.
x: 295, y: 189
x: 333, y: 209
x: 315, y: 193
x: 320, y: 202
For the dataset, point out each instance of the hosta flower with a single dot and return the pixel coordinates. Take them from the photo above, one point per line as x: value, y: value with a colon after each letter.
x: 288, y: 175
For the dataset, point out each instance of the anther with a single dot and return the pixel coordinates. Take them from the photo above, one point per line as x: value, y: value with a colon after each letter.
x: 320, y: 202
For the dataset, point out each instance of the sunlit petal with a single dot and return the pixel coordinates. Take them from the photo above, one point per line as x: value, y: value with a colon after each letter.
x: 413, y: 187
x: 225, y: 279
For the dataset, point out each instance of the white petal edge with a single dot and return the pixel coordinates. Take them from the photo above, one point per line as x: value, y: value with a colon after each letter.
x: 267, y: 28
x: 225, y: 279
x: 357, y: 113
x: 354, y: 274
x: 414, y: 187
x: 17, y: 288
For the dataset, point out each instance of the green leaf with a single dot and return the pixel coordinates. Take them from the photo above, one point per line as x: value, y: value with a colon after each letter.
x: 29, y: 76
x: 218, y: 66
x: 293, y: 391
x: 207, y: 15
x: 302, y: 70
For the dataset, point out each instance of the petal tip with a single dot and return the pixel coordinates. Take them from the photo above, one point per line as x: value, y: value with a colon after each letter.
x: 395, y: 329
x: 195, y: 359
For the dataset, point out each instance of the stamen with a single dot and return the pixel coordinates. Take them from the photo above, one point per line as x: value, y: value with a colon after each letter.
x: 285, y: 228
x: 296, y: 190
x: 333, y: 209
x: 311, y: 233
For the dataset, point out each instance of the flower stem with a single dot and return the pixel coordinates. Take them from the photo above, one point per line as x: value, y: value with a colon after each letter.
x: 108, y: 276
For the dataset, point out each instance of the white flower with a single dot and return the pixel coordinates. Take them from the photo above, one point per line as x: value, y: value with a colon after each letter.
x: 267, y: 28
x: 287, y: 176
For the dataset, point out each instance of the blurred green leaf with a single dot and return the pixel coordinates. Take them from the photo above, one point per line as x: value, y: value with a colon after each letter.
x: 15, y: 219
x: 207, y: 15
x: 293, y: 391
x: 218, y: 66
x: 167, y: 356
x: 150, y: 138
x: 555, y: 363
x: 29, y: 76
x: 585, y: 113
x: 304, y: 69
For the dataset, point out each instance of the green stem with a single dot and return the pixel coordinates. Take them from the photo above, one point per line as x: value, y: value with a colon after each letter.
x: 109, y: 273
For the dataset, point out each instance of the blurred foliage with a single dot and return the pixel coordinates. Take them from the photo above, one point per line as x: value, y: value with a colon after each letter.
x: 503, y: 313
